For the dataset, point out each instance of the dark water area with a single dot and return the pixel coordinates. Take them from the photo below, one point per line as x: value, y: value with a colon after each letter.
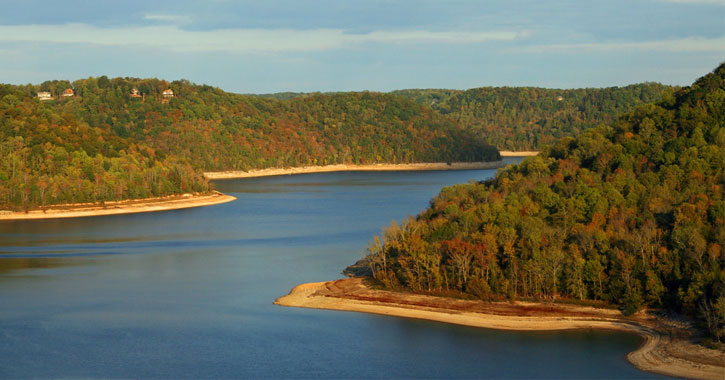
x: 188, y: 294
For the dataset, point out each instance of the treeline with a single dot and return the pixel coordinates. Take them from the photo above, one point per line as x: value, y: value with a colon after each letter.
x: 528, y: 118
x: 105, y: 144
x: 632, y: 213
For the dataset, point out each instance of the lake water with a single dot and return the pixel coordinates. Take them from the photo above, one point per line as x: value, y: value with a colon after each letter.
x: 188, y: 294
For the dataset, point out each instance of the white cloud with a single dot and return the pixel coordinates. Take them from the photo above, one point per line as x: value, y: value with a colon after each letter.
x: 422, y: 36
x: 714, y: 2
x: 233, y: 40
x: 168, y: 18
x: 691, y: 44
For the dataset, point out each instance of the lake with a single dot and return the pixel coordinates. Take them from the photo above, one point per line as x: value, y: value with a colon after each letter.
x: 188, y: 294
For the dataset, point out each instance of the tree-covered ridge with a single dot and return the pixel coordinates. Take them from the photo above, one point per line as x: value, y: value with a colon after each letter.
x: 222, y: 131
x: 528, y: 118
x: 631, y: 213
x: 49, y: 156
x: 111, y: 145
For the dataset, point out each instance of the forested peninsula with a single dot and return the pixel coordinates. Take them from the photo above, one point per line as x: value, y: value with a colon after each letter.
x: 630, y: 214
x: 101, y: 139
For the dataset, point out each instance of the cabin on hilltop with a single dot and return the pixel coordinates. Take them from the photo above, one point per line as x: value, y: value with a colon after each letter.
x: 68, y: 92
x: 45, y: 95
x: 166, y: 95
x: 135, y: 93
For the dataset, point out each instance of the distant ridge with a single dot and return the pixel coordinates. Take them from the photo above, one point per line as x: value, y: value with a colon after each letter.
x: 528, y: 118
x: 130, y: 138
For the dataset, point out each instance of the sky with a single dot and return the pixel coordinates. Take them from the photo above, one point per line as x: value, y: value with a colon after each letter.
x: 266, y: 46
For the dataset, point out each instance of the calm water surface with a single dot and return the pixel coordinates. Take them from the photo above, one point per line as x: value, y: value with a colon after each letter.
x: 188, y: 294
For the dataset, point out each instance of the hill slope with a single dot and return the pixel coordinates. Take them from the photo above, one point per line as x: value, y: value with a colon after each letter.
x: 105, y: 144
x: 632, y: 213
x: 528, y: 118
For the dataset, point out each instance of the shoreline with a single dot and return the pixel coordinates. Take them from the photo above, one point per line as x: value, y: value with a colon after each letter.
x: 351, y: 167
x: 524, y: 153
x: 665, y: 348
x: 130, y: 206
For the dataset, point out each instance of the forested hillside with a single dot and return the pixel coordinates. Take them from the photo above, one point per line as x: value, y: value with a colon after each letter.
x: 528, y: 118
x: 631, y: 213
x: 49, y: 155
x: 122, y: 138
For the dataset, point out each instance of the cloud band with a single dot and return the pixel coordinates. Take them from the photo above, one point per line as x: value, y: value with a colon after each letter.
x: 234, y: 40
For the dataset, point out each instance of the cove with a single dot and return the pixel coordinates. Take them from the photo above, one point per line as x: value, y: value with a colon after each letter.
x: 188, y: 294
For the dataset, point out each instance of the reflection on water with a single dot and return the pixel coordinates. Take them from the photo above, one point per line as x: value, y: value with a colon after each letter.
x: 188, y: 294
x: 7, y: 265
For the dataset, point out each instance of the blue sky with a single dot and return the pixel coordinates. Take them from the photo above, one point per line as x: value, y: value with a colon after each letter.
x: 341, y: 45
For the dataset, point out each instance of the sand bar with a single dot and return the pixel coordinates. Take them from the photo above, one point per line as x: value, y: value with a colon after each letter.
x: 120, y: 207
x: 349, y: 167
x: 525, y: 153
x: 666, y: 349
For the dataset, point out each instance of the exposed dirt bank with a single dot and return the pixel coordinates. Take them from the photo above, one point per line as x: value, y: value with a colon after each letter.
x: 508, y: 153
x: 345, y: 167
x: 120, y: 207
x: 667, y: 347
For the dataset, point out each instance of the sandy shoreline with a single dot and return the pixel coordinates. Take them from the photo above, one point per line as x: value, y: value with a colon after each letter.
x: 526, y: 153
x: 120, y: 207
x: 665, y: 349
x: 346, y: 167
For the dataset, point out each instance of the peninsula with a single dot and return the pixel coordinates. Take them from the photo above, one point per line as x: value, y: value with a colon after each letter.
x: 667, y: 346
